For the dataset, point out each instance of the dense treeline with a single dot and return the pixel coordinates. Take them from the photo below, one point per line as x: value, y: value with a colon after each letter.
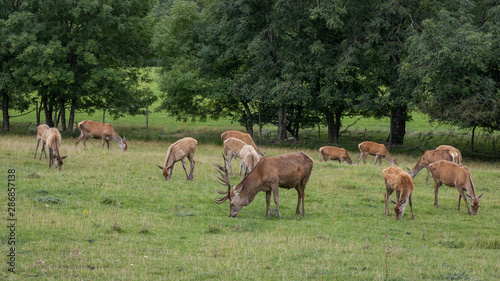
x: 295, y: 64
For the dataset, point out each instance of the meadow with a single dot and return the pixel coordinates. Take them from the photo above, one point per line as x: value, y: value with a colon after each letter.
x: 110, y: 215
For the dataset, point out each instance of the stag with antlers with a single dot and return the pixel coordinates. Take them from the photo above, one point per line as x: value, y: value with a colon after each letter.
x: 285, y: 171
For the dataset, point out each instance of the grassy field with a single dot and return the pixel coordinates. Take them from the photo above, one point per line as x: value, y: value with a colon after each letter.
x: 110, y: 215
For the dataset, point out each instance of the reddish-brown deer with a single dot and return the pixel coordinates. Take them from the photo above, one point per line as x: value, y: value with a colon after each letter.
x: 334, y: 153
x: 460, y: 177
x: 103, y: 131
x: 246, y: 138
x: 396, y: 179
x: 40, y: 131
x: 457, y: 156
x: 427, y: 158
x: 379, y: 150
x: 179, y: 150
x: 272, y: 172
x: 52, y: 139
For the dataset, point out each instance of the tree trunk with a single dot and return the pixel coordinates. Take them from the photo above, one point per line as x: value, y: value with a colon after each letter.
x: 5, y: 110
x: 104, y: 116
x: 38, y: 110
x: 249, y: 121
x: 62, y: 115
x: 48, y: 108
x: 294, y: 124
x: 260, y: 128
x: 334, y: 124
x: 399, y: 115
x: 281, y: 136
x: 71, y: 119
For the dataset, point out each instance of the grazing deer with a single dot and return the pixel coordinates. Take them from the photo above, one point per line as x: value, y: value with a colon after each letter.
x: 102, y: 131
x: 457, y: 156
x: 179, y: 150
x: 396, y: 179
x: 246, y: 138
x: 334, y: 153
x: 285, y: 171
x: 249, y: 159
x: 40, y: 131
x: 429, y: 157
x: 460, y: 177
x: 379, y: 150
x: 52, y: 139
x: 232, y: 148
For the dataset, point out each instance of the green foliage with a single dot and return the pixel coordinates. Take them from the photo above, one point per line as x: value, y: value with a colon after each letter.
x: 453, y: 63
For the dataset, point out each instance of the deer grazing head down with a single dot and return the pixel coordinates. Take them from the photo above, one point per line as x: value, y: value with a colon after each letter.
x: 271, y: 173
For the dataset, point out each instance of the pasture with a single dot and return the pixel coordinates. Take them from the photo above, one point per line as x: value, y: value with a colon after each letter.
x: 110, y: 215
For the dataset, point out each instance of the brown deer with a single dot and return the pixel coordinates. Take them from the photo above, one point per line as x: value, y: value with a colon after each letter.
x: 334, y: 153
x: 379, y: 150
x: 40, y: 131
x: 179, y: 150
x: 246, y: 138
x: 429, y: 157
x: 102, y: 131
x: 272, y: 172
x: 232, y: 148
x: 460, y: 177
x: 52, y: 139
x: 457, y: 156
x: 249, y: 159
x: 396, y: 179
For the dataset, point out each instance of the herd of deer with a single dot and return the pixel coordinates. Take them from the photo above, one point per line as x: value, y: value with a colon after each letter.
x: 287, y: 171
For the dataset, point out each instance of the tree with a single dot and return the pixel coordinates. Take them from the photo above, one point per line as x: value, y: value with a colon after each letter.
x: 87, y: 54
x: 15, y: 32
x: 454, y: 64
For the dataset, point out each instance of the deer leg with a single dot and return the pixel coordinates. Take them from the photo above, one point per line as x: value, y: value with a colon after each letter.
x: 428, y: 172
x: 411, y: 207
x: 465, y: 200
x: 275, y: 193
x: 376, y: 159
x: 268, y: 202
x: 298, y: 203
x: 359, y: 158
x: 184, y: 166
x: 229, y: 158
x: 37, y: 144
x: 78, y: 139
x: 43, y: 151
x: 436, y: 188
x: 51, y: 156
x: 107, y: 142
x: 102, y: 141
x: 388, y: 192
x: 191, y: 163
x: 85, y: 141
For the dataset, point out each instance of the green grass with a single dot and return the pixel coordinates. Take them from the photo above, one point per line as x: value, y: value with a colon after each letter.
x: 70, y: 225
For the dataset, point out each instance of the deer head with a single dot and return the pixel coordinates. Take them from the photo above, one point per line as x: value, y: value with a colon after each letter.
x: 59, y: 162
x: 399, y: 208
x: 474, y: 203
x: 166, y: 172
x: 124, y: 144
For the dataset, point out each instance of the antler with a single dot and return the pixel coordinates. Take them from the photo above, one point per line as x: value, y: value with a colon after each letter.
x: 223, y: 181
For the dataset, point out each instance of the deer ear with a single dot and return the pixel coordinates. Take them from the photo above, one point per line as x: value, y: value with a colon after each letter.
x: 480, y: 196
x: 124, y: 139
x: 393, y: 202
x: 160, y: 167
x: 64, y: 157
x: 468, y: 196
